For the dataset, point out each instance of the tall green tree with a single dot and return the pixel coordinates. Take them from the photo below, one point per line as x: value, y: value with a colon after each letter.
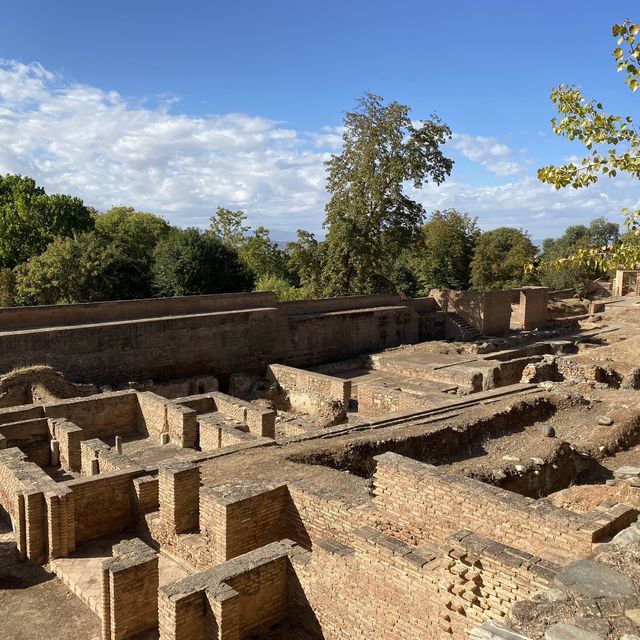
x: 369, y: 217
x: 189, y: 262
x: 598, y: 234
x: 306, y: 263
x: 500, y: 259
x: 612, y: 145
x: 133, y: 235
x: 30, y: 219
x: 441, y: 255
x: 263, y: 256
x: 255, y: 247
x: 229, y: 227
x: 85, y: 268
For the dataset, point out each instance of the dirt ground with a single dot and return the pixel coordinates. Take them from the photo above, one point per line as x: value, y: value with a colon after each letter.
x: 35, y: 605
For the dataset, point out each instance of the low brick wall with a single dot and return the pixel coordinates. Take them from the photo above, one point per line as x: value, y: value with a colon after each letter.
x: 239, y: 599
x: 105, y: 503
x: 100, y: 416
x: 426, y: 504
x: 157, y: 415
x: 129, y: 591
x: 306, y: 391
x: 240, y: 518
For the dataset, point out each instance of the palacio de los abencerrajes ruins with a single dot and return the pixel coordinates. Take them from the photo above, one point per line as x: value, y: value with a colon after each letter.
x: 461, y: 466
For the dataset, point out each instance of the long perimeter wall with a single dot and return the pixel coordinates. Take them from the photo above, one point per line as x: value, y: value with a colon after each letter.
x: 219, y: 335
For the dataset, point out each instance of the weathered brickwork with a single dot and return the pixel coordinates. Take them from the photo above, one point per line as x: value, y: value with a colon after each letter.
x: 179, y: 486
x: 307, y: 391
x: 129, y: 591
x: 241, y: 518
x: 428, y: 505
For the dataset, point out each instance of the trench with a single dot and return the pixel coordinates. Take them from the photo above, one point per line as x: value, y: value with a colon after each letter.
x: 461, y: 446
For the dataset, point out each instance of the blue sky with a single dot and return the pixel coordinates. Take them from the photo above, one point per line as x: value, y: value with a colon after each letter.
x: 180, y: 107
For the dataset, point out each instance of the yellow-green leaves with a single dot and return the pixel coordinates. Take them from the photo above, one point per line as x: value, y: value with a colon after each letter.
x: 613, y: 143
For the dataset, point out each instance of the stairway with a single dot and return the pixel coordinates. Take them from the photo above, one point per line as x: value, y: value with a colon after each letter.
x: 468, y: 332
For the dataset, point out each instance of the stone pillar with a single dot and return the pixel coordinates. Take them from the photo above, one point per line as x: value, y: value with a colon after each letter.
x: 55, y: 453
x: 533, y: 305
x: 130, y: 591
x: 119, y: 444
x: 179, y: 495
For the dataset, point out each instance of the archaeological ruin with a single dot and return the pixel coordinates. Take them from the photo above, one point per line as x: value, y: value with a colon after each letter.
x: 460, y: 466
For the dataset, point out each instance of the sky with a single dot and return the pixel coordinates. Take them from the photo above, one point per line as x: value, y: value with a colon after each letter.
x: 180, y: 107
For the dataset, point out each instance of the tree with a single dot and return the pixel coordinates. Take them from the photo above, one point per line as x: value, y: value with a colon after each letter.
x: 228, y: 226
x: 500, y: 258
x: 256, y: 250
x: 599, y: 233
x: 282, y: 288
x: 369, y: 216
x: 143, y: 229
x: 613, y: 145
x: 189, y: 262
x: 84, y: 268
x: 134, y: 236
x: 441, y: 256
x: 306, y: 263
x: 30, y: 219
x: 263, y: 256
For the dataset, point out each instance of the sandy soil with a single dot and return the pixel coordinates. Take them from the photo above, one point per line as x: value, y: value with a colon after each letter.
x: 35, y: 605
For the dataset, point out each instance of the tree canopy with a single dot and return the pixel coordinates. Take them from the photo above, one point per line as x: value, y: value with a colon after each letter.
x: 30, y: 219
x: 442, y: 252
x: 612, y: 144
x: 370, y: 218
x: 500, y: 258
x: 189, y: 262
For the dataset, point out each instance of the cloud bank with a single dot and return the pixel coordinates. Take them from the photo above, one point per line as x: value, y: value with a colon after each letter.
x: 111, y: 150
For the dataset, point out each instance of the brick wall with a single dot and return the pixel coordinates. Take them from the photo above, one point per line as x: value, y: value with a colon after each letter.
x: 179, y: 486
x: 204, y: 335
x: 101, y: 416
x: 22, y: 488
x: 239, y: 599
x: 482, y: 579
x: 104, y: 504
x: 533, y: 307
x: 378, y: 587
x: 70, y: 437
x: 129, y: 591
x: 239, y: 518
x: 146, y: 489
x: 423, y: 503
x: 157, y: 415
x: 305, y: 390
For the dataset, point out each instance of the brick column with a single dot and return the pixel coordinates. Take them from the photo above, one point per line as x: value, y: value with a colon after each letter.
x: 179, y: 489
x: 130, y: 591
x: 61, y: 535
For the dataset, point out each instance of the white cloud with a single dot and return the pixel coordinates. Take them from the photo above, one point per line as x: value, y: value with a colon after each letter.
x: 529, y: 204
x: 94, y: 143
x: 109, y: 150
x: 487, y: 152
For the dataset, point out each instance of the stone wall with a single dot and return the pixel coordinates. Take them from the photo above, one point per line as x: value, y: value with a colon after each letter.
x: 203, y: 335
